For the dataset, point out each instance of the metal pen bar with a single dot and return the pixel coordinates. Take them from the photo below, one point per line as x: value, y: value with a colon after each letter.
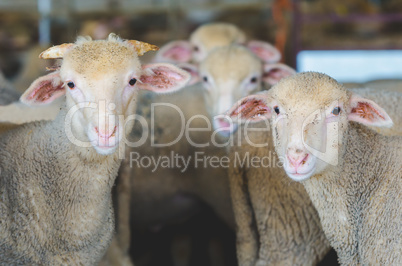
x: 44, y: 9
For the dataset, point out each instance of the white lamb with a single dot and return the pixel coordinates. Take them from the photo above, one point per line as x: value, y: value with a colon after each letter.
x: 56, y: 177
x: 351, y: 173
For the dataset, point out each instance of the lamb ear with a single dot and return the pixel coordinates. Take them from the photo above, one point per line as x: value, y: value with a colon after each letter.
x: 142, y: 47
x: 175, y: 52
x: 273, y: 73
x: 368, y: 112
x: 253, y: 108
x: 192, y: 69
x: 56, y: 52
x: 44, y: 90
x: 163, y: 77
x: 265, y: 51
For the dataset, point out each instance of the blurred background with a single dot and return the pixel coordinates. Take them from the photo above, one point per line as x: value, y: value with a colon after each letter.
x: 351, y: 40
x: 312, y: 34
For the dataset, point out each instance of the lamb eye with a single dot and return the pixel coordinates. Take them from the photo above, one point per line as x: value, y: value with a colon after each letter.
x: 276, y: 109
x: 253, y: 80
x: 71, y: 85
x: 132, y: 82
x: 336, y: 111
x: 205, y: 79
x: 196, y: 49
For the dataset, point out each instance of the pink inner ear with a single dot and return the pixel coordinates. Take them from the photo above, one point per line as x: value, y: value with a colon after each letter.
x: 366, y: 112
x: 45, y: 92
x: 163, y: 78
x: 178, y: 53
x: 250, y: 109
x: 262, y: 53
x: 275, y: 74
x: 265, y: 51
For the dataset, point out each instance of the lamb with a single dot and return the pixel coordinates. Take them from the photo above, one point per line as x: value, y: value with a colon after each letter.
x: 209, y: 36
x: 180, y: 193
x: 56, y: 177
x: 319, y: 129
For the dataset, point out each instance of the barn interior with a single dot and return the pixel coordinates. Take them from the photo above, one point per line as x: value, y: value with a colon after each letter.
x: 354, y: 41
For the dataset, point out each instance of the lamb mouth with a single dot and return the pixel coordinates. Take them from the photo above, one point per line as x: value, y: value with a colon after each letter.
x: 301, y: 176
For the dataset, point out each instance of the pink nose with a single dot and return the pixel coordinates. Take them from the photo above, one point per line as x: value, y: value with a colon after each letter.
x: 107, y: 134
x: 297, y: 159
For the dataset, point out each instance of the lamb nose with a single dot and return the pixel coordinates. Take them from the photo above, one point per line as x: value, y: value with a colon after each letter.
x: 297, y: 160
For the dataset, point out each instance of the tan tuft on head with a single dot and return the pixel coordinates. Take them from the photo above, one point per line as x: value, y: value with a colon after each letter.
x: 142, y: 47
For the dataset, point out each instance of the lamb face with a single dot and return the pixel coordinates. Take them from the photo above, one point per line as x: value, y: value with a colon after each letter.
x: 309, y: 115
x: 308, y: 122
x: 100, y: 80
x: 228, y: 74
x: 231, y: 72
x: 102, y: 76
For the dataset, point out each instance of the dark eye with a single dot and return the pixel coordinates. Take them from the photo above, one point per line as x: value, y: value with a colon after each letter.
x: 336, y: 111
x: 276, y: 109
x: 253, y: 80
x: 71, y: 85
x: 205, y: 79
x: 196, y: 49
x: 132, y: 82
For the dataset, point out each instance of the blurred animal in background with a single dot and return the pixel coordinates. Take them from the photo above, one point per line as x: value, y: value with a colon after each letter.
x: 209, y: 36
x: 234, y: 71
x: 101, y: 28
x: 165, y: 195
